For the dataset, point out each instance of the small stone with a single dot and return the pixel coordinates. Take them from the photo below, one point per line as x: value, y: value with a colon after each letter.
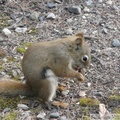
x: 86, y: 9
x: 98, y: 93
x: 116, y: 43
x: 41, y: 18
x: 109, y: 2
x: 51, y: 16
x: 58, y: 1
x: 89, y: 2
x: 69, y: 20
x: 56, y: 31
x: 105, y: 30
x: 100, y: 1
x: 74, y: 9
x: 14, y: 73
x: 41, y: 115
x: 69, y: 31
x: 21, y: 29
x: 63, y: 118
x: 65, y: 92
x: 88, y: 84
x: 54, y: 115
x: 6, y: 110
x: 51, y: 5
x: 23, y: 106
x: 95, y: 32
x: 6, y: 31
x: 34, y: 15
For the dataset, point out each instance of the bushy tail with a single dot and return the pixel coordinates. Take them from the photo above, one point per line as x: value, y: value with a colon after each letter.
x: 10, y: 87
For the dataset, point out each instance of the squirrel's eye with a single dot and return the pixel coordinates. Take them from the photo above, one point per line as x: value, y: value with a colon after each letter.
x: 84, y: 58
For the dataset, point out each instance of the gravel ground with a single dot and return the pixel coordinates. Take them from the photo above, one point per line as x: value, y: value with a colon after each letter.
x: 29, y: 21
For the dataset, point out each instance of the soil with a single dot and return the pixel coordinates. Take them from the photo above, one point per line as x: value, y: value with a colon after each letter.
x: 100, y: 22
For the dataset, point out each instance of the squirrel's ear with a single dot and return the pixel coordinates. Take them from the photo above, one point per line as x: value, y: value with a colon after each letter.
x: 81, y: 35
x: 80, y: 39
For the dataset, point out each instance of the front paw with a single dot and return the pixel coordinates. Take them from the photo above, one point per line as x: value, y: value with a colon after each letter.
x: 81, y: 77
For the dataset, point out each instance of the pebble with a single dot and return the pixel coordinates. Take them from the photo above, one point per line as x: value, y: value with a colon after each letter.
x: 51, y: 5
x: 58, y: 1
x: 98, y: 93
x: 34, y: 15
x: 41, y: 115
x: 109, y: 2
x: 116, y: 43
x: 89, y: 2
x: 41, y: 18
x: 6, y: 110
x: 54, y: 115
x: 51, y: 16
x: 23, y: 106
x: 63, y: 118
x: 6, y: 32
x: 21, y: 29
x: 2, y: 53
x: 105, y: 30
x: 86, y: 9
x: 69, y: 31
x: 69, y: 20
x: 65, y: 92
x: 74, y: 9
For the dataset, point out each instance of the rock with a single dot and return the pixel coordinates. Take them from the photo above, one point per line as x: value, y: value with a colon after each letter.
x: 105, y: 30
x: 23, y: 106
x: 14, y: 73
x: 51, y: 5
x: 86, y: 9
x: 63, y: 118
x: 98, y: 93
x: 41, y: 115
x: 89, y: 2
x: 6, y: 110
x: 21, y: 29
x: 109, y: 2
x: 41, y: 18
x: 34, y: 15
x: 6, y: 32
x: 116, y: 43
x: 65, y: 92
x: 58, y: 1
x: 69, y: 20
x: 51, y: 16
x: 69, y: 31
x: 54, y: 115
x: 74, y: 9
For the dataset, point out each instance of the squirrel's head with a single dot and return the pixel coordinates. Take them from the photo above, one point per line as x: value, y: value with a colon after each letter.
x: 81, y: 51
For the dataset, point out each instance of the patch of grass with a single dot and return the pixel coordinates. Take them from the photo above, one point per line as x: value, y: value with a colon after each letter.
x: 23, y: 47
x: 8, y: 102
x: 114, y: 97
x: 89, y: 102
x: 21, y: 50
x: 4, y: 21
x: 11, y: 116
x: 117, y: 110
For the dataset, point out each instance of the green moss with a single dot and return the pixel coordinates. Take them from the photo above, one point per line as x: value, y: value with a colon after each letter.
x: 4, y: 21
x: 89, y: 102
x: 114, y: 97
x: 117, y: 111
x: 8, y: 102
x: 23, y: 47
x: 21, y: 50
x: 11, y: 116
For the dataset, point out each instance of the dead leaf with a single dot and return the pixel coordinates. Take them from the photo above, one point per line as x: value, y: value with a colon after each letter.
x: 102, y: 111
x: 61, y: 87
x: 60, y: 104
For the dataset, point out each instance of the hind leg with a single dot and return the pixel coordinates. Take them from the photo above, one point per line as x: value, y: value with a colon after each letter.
x: 48, y: 86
